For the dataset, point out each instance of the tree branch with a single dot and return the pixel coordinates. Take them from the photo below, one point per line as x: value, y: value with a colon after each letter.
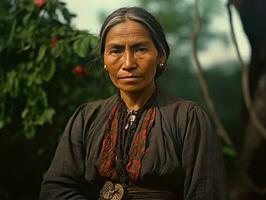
x: 219, y: 126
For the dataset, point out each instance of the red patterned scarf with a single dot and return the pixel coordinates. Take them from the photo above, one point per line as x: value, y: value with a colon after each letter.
x: 138, y: 146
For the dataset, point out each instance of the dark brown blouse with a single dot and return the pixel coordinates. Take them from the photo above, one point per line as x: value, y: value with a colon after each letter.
x: 183, y: 155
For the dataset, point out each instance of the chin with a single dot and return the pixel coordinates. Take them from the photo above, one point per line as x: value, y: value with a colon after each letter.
x: 134, y: 88
x: 131, y: 88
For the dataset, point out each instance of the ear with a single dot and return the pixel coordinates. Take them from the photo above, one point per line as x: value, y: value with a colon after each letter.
x: 161, y: 59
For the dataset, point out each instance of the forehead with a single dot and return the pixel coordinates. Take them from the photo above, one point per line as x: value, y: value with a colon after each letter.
x: 129, y: 31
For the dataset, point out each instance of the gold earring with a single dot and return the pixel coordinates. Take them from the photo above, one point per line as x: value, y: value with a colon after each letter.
x: 161, y: 65
x: 105, y: 68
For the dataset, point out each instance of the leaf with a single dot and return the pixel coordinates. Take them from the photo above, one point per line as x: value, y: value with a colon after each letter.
x: 46, y: 117
x: 67, y: 15
x: 48, y: 71
x: 94, y: 42
x: 29, y: 6
x: 26, y: 18
x: 58, y: 49
x: 24, y: 113
x: 82, y: 46
x: 30, y: 79
x: 29, y: 132
x: 61, y: 30
x: 12, y: 32
x: 41, y: 53
x: 229, y: 151
x: 12, y: 84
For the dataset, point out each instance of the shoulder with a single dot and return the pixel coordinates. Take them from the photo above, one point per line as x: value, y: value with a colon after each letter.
x: 182, y: 114
x: 180, y: 117
x: 89, y: 113
x: 102, y: 105
x: 177, y: 105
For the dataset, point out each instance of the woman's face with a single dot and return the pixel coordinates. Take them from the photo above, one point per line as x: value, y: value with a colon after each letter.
x: 131, y: 57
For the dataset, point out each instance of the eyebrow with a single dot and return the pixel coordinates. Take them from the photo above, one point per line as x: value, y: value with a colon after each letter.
x: 117, y: 45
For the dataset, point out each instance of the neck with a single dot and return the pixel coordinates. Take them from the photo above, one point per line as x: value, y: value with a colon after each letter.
x: 136, y: 100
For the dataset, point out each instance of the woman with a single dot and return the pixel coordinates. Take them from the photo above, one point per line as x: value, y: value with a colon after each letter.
x: 139, y: 143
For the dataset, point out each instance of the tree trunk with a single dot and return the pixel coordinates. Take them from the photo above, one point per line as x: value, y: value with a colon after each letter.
x: 253, y: 15
x: 251, y: 180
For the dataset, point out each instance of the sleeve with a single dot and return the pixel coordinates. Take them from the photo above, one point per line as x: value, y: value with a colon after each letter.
x: 65, y: 176
x: 202, y: 159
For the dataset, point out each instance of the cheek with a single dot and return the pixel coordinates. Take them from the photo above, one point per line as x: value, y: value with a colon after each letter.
x: 152, y: 68
x: 111, y: 72
x: 110, y: 60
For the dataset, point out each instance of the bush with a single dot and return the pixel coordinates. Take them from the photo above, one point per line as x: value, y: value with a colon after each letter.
x: 47, y: 68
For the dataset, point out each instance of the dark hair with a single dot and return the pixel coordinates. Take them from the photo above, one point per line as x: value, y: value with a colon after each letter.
x: 145, y: 18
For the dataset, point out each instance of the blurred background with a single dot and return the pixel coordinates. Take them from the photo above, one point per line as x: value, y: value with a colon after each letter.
x: 49, y: 65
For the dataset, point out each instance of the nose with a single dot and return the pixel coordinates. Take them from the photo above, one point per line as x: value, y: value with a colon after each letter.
x: 129, y: 60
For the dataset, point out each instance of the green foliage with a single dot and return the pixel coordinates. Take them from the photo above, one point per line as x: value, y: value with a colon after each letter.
x: 39, y: 50
x: 229, y: 151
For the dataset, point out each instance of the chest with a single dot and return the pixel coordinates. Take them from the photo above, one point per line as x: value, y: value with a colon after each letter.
x: 161, y: 163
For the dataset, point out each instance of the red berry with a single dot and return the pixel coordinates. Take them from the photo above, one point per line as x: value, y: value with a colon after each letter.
x: 80, y: 70
x: 39, y: 3
x: 54, y: 42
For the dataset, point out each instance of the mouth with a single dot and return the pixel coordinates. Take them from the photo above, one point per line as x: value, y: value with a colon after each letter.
x: 129, y: 77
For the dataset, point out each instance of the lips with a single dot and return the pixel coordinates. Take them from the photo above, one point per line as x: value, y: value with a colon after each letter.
x: 129, y: 77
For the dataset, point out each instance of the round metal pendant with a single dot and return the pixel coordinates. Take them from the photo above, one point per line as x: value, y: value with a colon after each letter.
x: 112, y: 191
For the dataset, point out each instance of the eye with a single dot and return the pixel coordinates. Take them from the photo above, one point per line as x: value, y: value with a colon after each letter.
x: 115, y: 51
x: 141, y: 49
